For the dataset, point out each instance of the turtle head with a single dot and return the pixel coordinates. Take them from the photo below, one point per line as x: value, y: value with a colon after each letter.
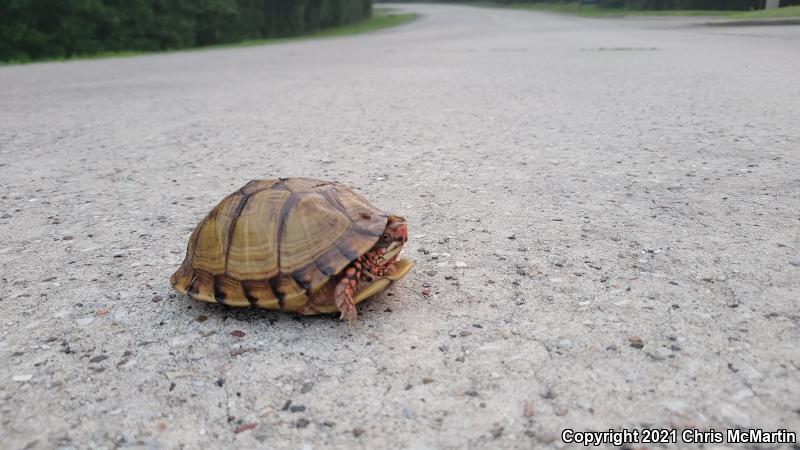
x: 392, y: 239
x: 396, y: 230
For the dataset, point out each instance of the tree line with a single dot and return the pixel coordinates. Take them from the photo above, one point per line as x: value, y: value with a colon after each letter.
x: 36, y: 29
x: 678, y: 4
x: 651, y: 4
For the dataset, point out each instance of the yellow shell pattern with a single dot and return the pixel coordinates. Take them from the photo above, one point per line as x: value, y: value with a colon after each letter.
x: 274, y: 243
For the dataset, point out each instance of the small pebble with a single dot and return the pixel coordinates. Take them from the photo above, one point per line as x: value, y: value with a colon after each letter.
x: 460, y: 264
x: 157, y: 298
x: 636, y: 342
x: 245, y: 427
x: 102, y: 312
x: 238, y: 333
x: 22, y: 378
x: 358, y: 432
x: 471, y: 393
x: 297, y: 408
x: 795, y: 261
x: 430, y: 273
x: 407, y: 413
x: 220, y: 382
x: 98, y: 358
x: 306, y: 387
x: 202, y: 318
x: 301, y: 423
x: 498, y: 430
x: 427, y: 380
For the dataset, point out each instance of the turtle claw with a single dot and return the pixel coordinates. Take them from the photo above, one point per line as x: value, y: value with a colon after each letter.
x: 349, y: 314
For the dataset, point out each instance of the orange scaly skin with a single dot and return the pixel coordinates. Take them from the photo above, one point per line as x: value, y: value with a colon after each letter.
x: 367, y: 267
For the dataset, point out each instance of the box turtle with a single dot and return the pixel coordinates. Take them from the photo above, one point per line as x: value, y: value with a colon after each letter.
x: 293, y: 244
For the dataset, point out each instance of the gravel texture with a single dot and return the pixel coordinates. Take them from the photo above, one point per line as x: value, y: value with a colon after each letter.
x: 604, y: 216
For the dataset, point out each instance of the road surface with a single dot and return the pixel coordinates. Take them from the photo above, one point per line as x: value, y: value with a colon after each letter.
x: 605, y: 218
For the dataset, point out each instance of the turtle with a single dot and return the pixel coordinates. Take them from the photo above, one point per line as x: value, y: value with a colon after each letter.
x: 293, y: 244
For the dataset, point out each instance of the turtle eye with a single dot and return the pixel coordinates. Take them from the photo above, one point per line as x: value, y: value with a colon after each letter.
x: 385, y: 236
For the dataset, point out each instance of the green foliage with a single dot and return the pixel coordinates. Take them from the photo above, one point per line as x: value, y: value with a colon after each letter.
x: 633, y: 5
x: 665, y: 4
x: 37, y: 29
x: 595, y: 10
x: 784, y: 12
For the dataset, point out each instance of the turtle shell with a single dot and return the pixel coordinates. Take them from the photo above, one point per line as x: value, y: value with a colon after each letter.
x: 274, y: 243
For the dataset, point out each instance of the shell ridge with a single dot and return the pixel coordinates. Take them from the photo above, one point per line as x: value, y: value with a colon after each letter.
x: 193, y: 241
x: 284, y: 214
x: 305, y: 285
x: 273, y: 284
x: 219, y: 296
x: 252, y: 300
x: 325, y: 270
x: 353, y: 226
x: 232, y: 227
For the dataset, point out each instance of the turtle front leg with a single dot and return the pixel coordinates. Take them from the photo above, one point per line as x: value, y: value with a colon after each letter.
x: 371, y: 265
x: 345, y: 290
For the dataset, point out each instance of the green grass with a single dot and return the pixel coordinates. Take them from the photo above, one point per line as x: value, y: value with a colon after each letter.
x: 381, y: 18
x: 785, y: 12
x: 595, y: 11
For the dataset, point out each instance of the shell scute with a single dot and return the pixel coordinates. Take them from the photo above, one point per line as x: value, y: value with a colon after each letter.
x: 260, y: 294
x: 213, y: 239
x: 253, y: 250
x: 311, y: 227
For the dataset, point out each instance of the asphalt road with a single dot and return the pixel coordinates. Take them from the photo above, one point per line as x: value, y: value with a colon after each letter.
x: 604, y: 217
